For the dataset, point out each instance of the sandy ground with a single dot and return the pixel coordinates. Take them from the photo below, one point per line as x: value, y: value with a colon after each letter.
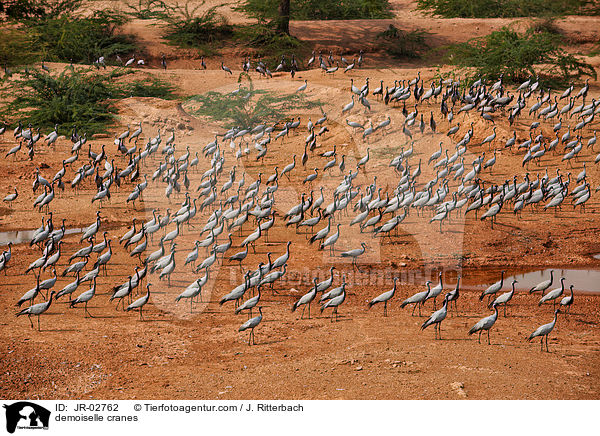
x: 175, y: 354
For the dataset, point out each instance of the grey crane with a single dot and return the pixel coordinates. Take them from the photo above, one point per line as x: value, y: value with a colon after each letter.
x: 436, y: 319
x: 37, y: 309
x: 11, y: 197
x: 70, y: 288
x: 239, y: 257
x: 554, y: 294
x: 48, y: 283
x: 225, y: 68
x: 238, y: 292
x: 302, y: 87
x: 493, y: 289
x: 123, y: 291
x: 384, y: 298
x: 544, y: 331
x: 30, y: 295
x: 193, y: 290
x: 543, y: 286
x: 454, y: 294
x: 335, y: 303
x: 251, y: 324
x: 282, y: 260
x: 92, y: 229
x: 335, y: 292
x: 355, y: 254
x: 485, y: 324
x: 568, y: 300
x: 250, y: 303
x: 505, y: 298
x: 436, y: 290
x: 417, y: 299
x: 140, y: 302
x: 326, y: 284
x: 306, y: 299
x: 331, y: 240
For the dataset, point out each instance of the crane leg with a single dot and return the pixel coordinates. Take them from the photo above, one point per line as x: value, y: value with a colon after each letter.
x: 39, y: 329
x: 413, y: 311
x: 29, y: 316
x: 479, y: 339
x: 488, y: 336
x: 141, y: 315
x: 385, y: 308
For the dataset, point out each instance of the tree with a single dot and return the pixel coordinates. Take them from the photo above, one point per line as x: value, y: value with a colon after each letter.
x: 283, y: 20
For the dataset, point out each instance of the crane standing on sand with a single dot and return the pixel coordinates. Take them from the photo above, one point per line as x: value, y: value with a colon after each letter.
x: 37, y: 309
x: 485, y: 324
x: 251, y: 324
x: 384, y: 298
x: 544, y: 331
x: 436, y: 318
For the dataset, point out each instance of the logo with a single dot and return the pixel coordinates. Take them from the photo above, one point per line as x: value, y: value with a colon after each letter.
x: 26, y: 415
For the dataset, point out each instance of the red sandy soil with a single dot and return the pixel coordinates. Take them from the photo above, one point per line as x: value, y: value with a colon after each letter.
x: 178, y: 355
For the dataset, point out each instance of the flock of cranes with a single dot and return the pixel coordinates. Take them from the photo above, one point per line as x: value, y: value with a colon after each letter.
x: 220, y: 202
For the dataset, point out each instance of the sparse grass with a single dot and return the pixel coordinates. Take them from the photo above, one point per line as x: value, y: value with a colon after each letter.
x: 319, y: 9
x: 188, y: 28
x: 248, y: 107
x: 547, y: 25
x: 149, y: 87
x: 504, y: 8
x: 78, y: 98
x: 402, y: 44
x: 147, y: 9
x: 519, y: 56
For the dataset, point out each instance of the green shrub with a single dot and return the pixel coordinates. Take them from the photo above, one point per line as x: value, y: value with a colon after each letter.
x: 73, y: 98
x: 269, y: 44
x: 37, y: 9
x: 187, y: 28
x: 519, y: 56
x: 502, y: 8
x: 319, y: 9
x: 17, y: 48
x: 81, y: 39
x: 401, y: 44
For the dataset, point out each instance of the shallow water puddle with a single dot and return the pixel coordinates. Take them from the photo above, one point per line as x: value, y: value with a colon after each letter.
x: 583, y: 280
x: 21, y: 236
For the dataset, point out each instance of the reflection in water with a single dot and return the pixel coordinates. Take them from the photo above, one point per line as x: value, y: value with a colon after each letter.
x: 21, y: 236
x: 583, y: 280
